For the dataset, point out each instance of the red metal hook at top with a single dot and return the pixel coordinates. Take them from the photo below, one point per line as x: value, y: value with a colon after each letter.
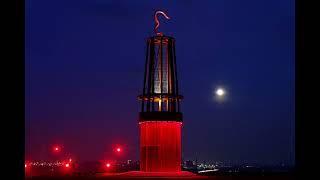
x: 157, y: 21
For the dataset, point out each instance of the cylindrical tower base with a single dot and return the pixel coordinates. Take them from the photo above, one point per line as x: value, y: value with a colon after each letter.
x: 160, y: 146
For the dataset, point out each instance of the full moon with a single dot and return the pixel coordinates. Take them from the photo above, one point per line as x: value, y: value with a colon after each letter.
x: 220, y: 92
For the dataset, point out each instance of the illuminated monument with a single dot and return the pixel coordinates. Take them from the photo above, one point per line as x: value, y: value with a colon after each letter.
x: 160, y: 119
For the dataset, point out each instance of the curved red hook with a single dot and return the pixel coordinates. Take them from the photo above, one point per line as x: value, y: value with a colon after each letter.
x: 156, y: 19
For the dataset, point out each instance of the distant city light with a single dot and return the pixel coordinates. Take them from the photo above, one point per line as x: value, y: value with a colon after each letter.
x: 70, y: 160
x: 108, y: 164
x: 46, y: 163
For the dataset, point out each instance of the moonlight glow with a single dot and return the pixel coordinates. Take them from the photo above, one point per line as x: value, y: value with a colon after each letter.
x: 220, y: 92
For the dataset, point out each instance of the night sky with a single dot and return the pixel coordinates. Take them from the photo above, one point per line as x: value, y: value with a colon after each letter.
x: 85, y: 63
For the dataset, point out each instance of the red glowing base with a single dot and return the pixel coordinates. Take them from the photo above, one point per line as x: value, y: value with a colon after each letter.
x: 160, y: 146
x: 140, y: 174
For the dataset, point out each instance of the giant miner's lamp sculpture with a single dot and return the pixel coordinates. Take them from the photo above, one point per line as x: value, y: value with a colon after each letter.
x: 160, y: 119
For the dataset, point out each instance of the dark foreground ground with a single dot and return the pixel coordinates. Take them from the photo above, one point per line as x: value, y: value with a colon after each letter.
x: 213, y: 177
x: 177, y: 178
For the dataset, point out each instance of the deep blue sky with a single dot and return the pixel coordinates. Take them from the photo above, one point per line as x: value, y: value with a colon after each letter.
x: 85, y: 64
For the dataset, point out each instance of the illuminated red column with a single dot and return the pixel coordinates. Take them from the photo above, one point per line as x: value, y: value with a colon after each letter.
x: 160, y: 146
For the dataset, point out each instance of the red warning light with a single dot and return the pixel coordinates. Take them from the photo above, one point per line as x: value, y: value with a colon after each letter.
x: 56, y: 149
x: 70, y: 160
x: 25, y: 165
x: 108, y: 165
x: 67, y: 165
x: 118, y: 149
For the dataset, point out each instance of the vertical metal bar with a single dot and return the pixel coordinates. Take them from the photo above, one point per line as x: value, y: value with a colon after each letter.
x: 170, y: 74
x: 176, y: 75
x: 145, y: 77
x: 161, y: 74
x: 150, y: 72
x: 172, y: 69
x: 153, y: 71
x: 175, y: 68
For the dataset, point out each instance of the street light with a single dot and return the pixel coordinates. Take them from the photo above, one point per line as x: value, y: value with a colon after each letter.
x: 108, y: 165
x: 56, y: 149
